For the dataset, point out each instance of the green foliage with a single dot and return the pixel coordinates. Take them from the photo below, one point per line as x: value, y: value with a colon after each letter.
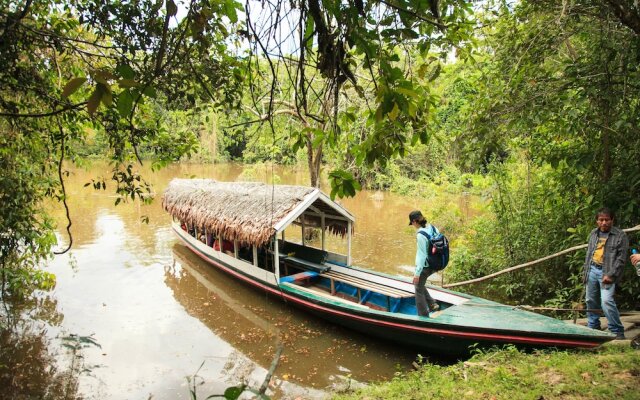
x: 343, y: 184
x: 230, y: 393
x: 545, y: 109
x: 509, y: 374
x: 368, y: 94
x: 89, y: 77
x: 26, y: 236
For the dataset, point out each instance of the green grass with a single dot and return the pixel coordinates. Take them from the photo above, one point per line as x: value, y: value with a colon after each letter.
x: 611, y: 372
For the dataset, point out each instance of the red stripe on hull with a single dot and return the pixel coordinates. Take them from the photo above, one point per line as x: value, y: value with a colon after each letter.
x: 404, y: 327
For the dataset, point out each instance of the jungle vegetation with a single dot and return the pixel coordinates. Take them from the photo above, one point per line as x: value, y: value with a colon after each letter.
x: 533, y: 104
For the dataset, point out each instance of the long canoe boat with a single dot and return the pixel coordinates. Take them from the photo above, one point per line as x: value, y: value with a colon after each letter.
x: 263, y: 235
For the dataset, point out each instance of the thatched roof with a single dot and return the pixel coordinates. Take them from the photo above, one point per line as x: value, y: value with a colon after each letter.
x: 244, y: 211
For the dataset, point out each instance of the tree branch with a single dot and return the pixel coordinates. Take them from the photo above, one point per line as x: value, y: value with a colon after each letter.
x: 11, y: 23
x: 529, y: 264
x: 64, y: 192
x: 47, y: 114
x: 626, y: 13
x: 413, y: 13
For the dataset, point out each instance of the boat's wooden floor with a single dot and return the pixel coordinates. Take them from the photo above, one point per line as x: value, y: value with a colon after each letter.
x: 322, y: 293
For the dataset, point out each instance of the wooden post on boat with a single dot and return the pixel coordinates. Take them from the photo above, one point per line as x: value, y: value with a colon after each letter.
x: 255, y: 255
x: 322, y: 230
x: 276, y: 256
x: 349, y: 243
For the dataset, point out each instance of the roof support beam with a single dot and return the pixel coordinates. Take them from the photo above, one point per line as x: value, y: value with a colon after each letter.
x: 349, y: 243
x: 322, y: 231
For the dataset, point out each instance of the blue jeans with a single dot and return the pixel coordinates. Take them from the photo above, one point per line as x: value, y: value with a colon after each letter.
x: 600, y: 296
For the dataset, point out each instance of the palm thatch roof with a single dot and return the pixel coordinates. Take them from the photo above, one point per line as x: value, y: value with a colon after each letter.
x: 249, y: 212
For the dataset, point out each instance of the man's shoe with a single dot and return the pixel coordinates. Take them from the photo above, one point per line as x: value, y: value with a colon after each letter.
x: 434, y: 307
x: 620, y: 336
x: 597, y: 328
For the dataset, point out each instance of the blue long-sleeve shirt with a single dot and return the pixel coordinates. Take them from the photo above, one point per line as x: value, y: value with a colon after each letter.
x: 423, y: 246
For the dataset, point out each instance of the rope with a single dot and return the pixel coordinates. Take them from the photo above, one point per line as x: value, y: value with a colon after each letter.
x: 528, y: 264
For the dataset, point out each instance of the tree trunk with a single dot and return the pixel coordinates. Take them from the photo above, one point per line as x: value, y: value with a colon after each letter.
x: 606, y: 149
x: 314, y: 161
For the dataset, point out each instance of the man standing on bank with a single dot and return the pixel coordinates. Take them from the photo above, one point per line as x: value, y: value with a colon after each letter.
x: 422, y: 268
x: 606, y: 257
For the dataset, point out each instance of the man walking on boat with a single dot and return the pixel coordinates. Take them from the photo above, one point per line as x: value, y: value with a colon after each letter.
x: 423, y: 271
x: 604, y: 263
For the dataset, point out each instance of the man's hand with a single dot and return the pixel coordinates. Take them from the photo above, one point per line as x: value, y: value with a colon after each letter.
x: 416, y: 279
x: 635, y: 259
x: 607, y: 280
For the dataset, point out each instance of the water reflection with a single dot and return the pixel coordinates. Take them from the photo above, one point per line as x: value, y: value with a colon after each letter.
x: 316, y: 354
x: 158, y: 311
x: 28, y: 367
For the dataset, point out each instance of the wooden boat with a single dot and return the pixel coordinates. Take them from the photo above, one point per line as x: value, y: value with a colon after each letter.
x: 251, y: 219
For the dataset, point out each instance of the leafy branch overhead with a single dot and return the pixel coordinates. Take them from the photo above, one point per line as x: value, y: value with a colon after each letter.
x: 74, y: 68
x: 344, y: 52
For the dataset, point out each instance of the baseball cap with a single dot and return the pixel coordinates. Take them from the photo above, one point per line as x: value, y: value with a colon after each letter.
x: 414, y: 215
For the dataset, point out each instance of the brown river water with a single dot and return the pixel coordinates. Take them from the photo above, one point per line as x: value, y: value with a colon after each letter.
x: 163, y: 319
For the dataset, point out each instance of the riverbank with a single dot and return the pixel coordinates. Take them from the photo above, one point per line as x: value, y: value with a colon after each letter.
x: 612, y: 371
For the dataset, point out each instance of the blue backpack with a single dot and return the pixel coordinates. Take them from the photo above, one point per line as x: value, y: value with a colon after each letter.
x: 437, y: 250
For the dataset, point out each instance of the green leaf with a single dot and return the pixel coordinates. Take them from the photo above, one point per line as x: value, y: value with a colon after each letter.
x: 407, y: 92
x: 125, y: 71
x: 107, y: 97
x: 102, y: 76
x: 172, y: 9
x: 149, y: 91
x: 308, y: 33
x: 230, y: 11
x: 232, y: 393
x: 72, y: 86
x: 395, y: 111
x: 343, y: 184
x: 410, y: 34
x: 127, y: 83
x: 94, y: 100
x: 125, y: 103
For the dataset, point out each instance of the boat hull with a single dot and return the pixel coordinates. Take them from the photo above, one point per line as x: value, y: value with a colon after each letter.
x: 445, y: 335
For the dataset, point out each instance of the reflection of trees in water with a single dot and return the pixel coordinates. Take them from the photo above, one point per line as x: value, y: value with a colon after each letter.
x: 228, y: 319
x: 28, y: 368
x: 316, y: 353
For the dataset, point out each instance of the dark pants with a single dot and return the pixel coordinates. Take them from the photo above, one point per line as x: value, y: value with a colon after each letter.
x: 423, y: 298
